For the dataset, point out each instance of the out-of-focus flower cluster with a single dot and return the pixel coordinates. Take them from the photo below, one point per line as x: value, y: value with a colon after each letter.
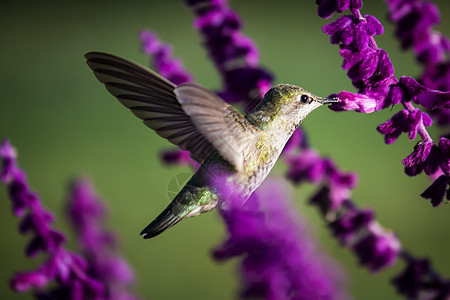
x: 235, y: 55
x: 419, y: 281
x: 414, y: 20
x: 355, y: 228
x: 99, y: 246
x: 67, y: 269
x: 280, y: 261
x: 101, y: 277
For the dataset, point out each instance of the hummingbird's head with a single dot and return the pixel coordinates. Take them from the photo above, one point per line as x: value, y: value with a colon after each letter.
x: 291, y: 103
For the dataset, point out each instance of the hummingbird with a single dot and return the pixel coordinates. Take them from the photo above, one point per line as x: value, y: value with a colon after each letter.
x: 217, y: 136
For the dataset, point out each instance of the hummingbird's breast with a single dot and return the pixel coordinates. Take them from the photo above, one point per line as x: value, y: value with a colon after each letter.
x: 260, y: 159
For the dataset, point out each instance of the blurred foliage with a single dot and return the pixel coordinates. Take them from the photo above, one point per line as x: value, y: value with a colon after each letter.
x: 64, y: 123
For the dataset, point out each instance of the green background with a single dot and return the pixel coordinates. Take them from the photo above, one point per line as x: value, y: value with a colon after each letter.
x: 63, y: 122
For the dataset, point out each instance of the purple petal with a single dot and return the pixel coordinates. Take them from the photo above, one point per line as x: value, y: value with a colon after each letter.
x: 411, y: 88
x: 180, y: 157
x: 347, y: 226
x: 21, y: 282
x: 433, y: 162
x: 433, y: 99
x: 356, y: 102
x: 8, y: 155
x: 414, y: 120
x: 410, y: 281
x: 414, y: 163
x: 436, y: 191
x: 385, y: 67
x: 356, y: 4
x: 394, y: 96
x: 327, y: 8
x: 394, y: 127
x: 375, y: 26
x: 341, y: 30
x: 379, y: 249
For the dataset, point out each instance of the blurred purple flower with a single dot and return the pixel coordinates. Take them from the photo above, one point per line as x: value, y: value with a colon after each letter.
x: 377, y: 248
x: 358, y: 230
x: 419, y: 281
x: 235, y: 55
x: 438, y: 190
x: 414, y: 20
x: 161, y: 56
x: 422, y: 95
x: 280, y: 260
x: 87, y: 214
x: 68, y: 269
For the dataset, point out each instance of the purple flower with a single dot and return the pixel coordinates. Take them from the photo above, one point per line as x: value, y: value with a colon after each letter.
x: 417, y: 160
x: 403, y: 121
x: 428, y: 157
x: 178, y: 157
x: 328, y: 7
x: 420, y: 281
x: 68, y: 269
x: 414, y: 20
x: 306, y: 166
x: 422, y: 95
x: 235, y: 55
x: 280, y: 261
x: 410, y: 281
x: 88, y: 215
x: 161, y: 55
x: 358, y: 230
x: 356, y: 102
x: 377, y: 249
x: 346, y: 227
x: 437, y: 190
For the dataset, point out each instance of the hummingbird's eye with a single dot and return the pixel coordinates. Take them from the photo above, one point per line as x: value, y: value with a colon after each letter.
x: 304, y: 98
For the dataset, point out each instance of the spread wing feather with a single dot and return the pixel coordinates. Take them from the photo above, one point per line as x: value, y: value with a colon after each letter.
x: 225, y: 128
x: 150, y: 97
x: 188, y: 116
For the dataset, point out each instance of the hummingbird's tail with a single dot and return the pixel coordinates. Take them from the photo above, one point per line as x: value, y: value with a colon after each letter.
x: 165, y: 220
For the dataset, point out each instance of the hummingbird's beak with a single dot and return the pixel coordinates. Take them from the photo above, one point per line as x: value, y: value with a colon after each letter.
x: 327, y: 100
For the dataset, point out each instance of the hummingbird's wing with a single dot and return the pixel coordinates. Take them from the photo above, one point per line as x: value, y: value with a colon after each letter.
x: 224, y: 127
x: 188, y: 116
x: 151, y: 98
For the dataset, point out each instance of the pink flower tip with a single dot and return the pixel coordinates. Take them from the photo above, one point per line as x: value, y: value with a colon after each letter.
x: 352, y: 101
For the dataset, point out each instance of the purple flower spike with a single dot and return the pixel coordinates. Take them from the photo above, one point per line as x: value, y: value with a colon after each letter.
x: 235, y: 55
x: 424, y: 96
x: 415, y: 20
x: 68, y: 270
x: 280, y: 261
x: 161, y: 54
x: 99, y: 246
